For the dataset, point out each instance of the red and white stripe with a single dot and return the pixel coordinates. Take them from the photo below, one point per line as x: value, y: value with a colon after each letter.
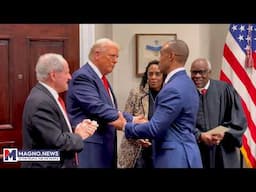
x: 244, y: 81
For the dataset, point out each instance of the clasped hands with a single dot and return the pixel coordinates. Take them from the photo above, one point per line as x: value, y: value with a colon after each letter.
x: 86, y: 128
x: 120, y: 123
x: 211, y: 139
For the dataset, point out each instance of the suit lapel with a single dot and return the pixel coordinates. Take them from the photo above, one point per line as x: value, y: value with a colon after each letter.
x: 101, y: 86
x: 53, y: 101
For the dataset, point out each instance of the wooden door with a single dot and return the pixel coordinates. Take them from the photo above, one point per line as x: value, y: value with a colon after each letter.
x: 20, y: 47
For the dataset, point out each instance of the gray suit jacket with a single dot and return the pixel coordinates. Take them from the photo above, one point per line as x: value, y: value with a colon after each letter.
x: 44, y: 127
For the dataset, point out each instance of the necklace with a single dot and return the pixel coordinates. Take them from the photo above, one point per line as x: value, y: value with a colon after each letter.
x: 152, y: 98
x: 151, y: 106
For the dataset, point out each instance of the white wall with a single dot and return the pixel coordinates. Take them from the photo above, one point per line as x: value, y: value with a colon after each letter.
x: 197, y: 36
x: 87, y: 38
x: 218, y: 33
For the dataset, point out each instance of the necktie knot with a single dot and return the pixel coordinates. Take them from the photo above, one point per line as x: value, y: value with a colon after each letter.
x: 203, y: 91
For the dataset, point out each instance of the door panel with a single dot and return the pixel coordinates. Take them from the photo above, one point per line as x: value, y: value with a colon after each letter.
x: 38, y: 47
x: 20, y: 47
x: 5, y: 94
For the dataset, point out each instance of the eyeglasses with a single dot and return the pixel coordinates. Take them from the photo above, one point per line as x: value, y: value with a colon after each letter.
x: 200, y: 72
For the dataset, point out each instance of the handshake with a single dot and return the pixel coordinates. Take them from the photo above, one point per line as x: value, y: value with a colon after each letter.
x: 120, y: 123
x: 86, y: 128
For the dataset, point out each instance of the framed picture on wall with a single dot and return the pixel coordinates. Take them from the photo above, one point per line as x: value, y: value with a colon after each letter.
x: 148, y: 47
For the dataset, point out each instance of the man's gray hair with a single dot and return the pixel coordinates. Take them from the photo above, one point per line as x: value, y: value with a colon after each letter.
x: 47, y: 63
x: 204, y: 60
x: 209, y: 64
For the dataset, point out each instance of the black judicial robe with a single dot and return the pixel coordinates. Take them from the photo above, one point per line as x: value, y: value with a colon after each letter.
x: 221, y: 105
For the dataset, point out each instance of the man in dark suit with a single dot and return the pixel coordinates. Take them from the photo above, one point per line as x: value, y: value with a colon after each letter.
x: 91, y: 96
x: 173, y: 122
x: 45, y: 122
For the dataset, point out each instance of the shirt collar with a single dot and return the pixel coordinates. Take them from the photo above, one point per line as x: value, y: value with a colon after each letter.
x: 205, y: 87
x: 173, y: 72
x: 50, y: 89
x: 95, y: 68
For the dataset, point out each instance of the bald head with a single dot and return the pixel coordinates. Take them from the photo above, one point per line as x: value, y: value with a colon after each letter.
x: 173, y: 55
x: 180, y: 50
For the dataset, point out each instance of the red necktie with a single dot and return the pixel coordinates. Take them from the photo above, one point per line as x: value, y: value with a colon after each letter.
x: 105, y: 83
x: 64, y: 108
x: 62, y: 104
x: 203, y: 91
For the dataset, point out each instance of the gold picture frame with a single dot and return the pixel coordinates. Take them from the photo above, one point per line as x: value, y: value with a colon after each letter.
x: 148, y: 47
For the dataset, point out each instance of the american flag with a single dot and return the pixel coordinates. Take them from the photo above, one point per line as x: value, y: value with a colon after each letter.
x: 239, y: 69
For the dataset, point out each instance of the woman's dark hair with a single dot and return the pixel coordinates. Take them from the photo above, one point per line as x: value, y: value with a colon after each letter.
x: 145, y: 74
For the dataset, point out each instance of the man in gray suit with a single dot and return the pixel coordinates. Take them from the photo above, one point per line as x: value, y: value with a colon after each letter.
x: 45, y: 122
